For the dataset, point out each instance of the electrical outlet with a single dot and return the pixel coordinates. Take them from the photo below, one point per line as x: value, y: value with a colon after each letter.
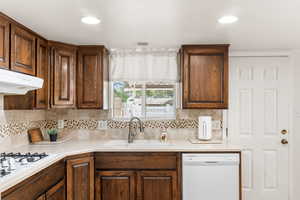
x: 216, y: 124
x: 102, y: 125
x: 60, y: 124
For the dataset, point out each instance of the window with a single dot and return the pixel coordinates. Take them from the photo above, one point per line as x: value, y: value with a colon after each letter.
x: 144, y: 100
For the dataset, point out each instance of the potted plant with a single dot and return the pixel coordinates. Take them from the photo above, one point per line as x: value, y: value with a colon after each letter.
x: 52, y: 134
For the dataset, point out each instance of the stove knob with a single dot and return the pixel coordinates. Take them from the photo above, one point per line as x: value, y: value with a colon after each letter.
x: 30, y: 159
x: 4, y: 163
x: 12, y: 164
x: 24, y: 161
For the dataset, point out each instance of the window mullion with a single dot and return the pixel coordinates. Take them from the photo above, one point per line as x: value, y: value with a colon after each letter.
x: 144, y: 101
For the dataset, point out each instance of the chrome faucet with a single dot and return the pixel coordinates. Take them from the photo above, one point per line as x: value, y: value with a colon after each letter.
x: 132, y: 130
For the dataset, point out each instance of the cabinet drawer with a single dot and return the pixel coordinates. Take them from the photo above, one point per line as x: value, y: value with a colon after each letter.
x: 136, y: 160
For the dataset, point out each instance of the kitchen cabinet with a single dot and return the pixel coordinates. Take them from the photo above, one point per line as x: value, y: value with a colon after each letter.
x: 38, y: 99
x: 57, y: 192
x: 116, y: 185
x: 142, y: 176
x: 153, y: 185
x: 23, y: 50
x: 63, y: 75
x: 42, y: 197
x: 204, y: 70
x: 4, y: 43
x: 91, y: 61
x: 42, y: 71
x: 80, y: 178
x: 39, y: 185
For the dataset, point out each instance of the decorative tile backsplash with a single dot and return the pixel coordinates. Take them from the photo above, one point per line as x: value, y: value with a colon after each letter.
x: 17, y: 122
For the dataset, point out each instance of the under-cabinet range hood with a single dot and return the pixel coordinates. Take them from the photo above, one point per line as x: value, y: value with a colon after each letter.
x: 17, y: 83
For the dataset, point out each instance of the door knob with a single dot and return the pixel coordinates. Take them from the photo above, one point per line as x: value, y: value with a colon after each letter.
x: 284, y: 132
x: 284, y: 141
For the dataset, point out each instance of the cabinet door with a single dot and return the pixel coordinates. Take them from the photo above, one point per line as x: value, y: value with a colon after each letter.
x: 22, y: 50
x: 90, y: 77
x: 80, y: 179
x: 63, y: 80
x: 42, y: 197
x: 205, y: 76
x: 4, y: 43
x: 157, y: 185
x: 57, y: 192
x: 42, y: 71
x: 115, y: 185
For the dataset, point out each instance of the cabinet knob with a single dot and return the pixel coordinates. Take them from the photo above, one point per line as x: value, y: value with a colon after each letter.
x: 284, y: 132
x: 284, y: 141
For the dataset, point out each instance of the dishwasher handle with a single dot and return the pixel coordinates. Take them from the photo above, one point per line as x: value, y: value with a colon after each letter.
x: 208, y: 161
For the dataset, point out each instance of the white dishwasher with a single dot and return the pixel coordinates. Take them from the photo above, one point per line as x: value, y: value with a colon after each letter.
x: 210, y: 176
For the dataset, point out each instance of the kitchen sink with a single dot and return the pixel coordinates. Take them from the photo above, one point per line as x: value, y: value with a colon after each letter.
x: 137, y: 143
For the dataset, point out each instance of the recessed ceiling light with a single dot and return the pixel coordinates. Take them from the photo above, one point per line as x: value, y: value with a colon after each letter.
x: 90, y: 20
x: 228, y: 19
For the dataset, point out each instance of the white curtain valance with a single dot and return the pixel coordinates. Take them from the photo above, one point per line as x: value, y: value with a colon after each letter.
x: 144, y: 66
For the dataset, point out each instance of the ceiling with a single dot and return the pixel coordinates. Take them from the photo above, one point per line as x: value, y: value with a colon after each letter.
x: 263, y: 24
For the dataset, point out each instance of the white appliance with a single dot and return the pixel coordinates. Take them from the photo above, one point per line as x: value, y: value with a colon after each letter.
x: 204, y: 128
x: 17, y: 83
x: 211, y: 176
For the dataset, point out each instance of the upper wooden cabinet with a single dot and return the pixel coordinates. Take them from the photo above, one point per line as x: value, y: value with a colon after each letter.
x: 63, y: 75
x: 91, y: 61
x: 4, y: 43
x: 42, y: 71
x: 80, y: 178
x: 204, y: 70
x: 38, y: 99
x: 23, y: 49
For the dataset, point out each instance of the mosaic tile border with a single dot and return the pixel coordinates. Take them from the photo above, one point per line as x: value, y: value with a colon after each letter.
x: 19, y: 127
x: 113, y: 124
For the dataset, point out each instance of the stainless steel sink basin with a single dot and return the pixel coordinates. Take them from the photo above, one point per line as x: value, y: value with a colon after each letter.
x: 137, y: 143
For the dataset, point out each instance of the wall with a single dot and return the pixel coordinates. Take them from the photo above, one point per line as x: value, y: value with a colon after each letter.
x: 14, y: 125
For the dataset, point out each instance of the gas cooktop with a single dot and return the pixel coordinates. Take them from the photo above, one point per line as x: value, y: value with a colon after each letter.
x: 12, y: 162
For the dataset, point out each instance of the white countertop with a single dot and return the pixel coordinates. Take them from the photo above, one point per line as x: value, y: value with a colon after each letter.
x: 75, y: 146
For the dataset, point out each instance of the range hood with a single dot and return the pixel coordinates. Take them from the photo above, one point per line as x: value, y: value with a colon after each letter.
x: 16, y: 83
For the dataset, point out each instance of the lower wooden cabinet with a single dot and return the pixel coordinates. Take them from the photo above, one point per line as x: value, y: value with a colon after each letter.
x: 80, y: 179
x: 115, y: 185
x: 140, y: 185
x: 42, y: 197
x: 57, y: 192
x: 157, y: 185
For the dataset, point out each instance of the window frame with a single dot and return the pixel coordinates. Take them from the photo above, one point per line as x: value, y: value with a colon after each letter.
x: 144, y: 117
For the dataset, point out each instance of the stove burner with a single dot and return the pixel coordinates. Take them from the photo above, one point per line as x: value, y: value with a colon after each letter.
x: 10, y: 162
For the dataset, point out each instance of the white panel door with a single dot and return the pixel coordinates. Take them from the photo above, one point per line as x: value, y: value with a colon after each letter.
x: 258, y: 112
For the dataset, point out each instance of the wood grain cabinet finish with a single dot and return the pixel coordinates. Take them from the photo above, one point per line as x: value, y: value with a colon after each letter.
x: 115, y: 185
x: 23, y: 49
x: 63, y: 73
x: 42, y: 197
x: 90, y: 77
x: 57, y: 192
x: 42, y: 71
x: 153, y: 185
x: 4, y: 43
x: 80, y: 179
x: 204, y: 71
x: 38, y: 99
